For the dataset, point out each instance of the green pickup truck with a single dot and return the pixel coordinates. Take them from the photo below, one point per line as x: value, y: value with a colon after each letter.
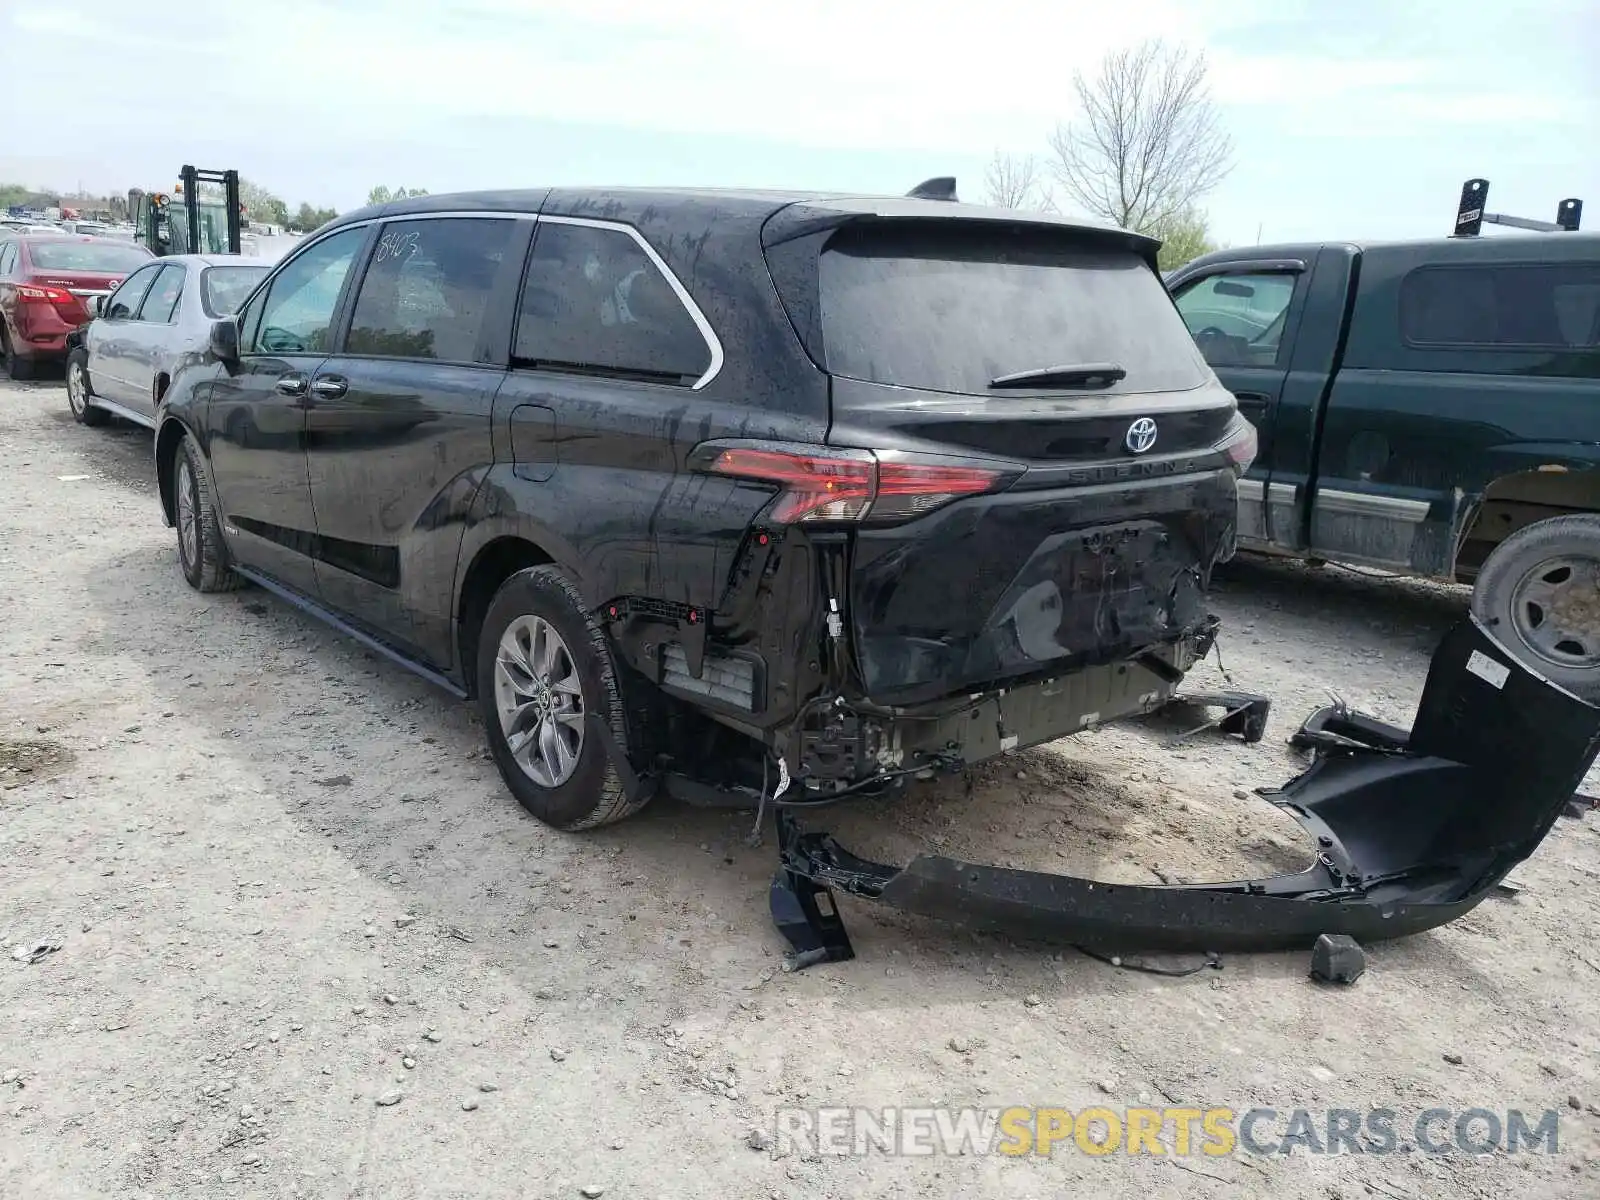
x: 1430, y: 408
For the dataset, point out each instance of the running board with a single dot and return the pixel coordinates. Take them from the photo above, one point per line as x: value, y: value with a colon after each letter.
x: 307, y: 605
x: 118, y: 410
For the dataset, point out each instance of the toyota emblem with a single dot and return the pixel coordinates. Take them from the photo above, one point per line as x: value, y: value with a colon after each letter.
x: 1141, y: 435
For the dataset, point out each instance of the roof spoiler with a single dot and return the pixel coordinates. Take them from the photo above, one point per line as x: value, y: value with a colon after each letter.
x: 1471, y: 215
x: 940, y: 187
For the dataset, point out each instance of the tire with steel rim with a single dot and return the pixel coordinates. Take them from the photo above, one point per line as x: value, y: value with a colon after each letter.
x: 202, y: 554
x: 80, y: 394
x: 550, y: 702
x: 1539, y: 592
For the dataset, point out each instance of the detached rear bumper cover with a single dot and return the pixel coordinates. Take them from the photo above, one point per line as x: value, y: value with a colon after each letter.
x: 1412, y: 832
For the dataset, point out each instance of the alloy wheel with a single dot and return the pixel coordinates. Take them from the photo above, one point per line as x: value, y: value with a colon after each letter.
x: 188, y: 517
x: 539, y: 698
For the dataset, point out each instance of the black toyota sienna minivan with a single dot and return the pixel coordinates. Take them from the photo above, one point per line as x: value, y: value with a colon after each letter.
x: 753, y: 498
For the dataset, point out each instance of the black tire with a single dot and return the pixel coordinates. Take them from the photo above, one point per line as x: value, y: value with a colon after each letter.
x: 207, y: 566
x: 592, y: 794
x: 1539, y: 593
x: 80, y: 391
x: 17, y: 366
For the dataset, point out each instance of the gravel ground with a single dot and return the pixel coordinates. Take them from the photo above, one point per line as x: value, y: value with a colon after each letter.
x: 289, y: 889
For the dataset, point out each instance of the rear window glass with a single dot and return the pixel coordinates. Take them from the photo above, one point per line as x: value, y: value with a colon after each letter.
x: 86, y: 256
x: 951, y: 308
x: 1518, y: 305
x: 224, y: 288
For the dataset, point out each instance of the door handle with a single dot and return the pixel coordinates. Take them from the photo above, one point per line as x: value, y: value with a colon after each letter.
x: 1253, y: 399
x: 329, y: 387
x: 291, y: 385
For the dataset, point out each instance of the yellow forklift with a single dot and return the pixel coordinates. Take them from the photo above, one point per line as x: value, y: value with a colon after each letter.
x: 181, y: 222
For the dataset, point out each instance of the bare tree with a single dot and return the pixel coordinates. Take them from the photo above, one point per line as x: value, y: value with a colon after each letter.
x: 1148, y: 142
x: 1013, y: 181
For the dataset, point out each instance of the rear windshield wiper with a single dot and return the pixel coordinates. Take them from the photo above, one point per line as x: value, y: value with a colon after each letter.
x: 1079, y: 375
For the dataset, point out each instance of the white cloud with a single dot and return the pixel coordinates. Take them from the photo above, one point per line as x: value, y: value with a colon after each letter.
x: 886, y: 74
x: 322, y: 99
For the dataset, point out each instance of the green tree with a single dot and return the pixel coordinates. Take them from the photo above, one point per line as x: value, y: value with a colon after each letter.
x: 1183, y: 237
x: 262, y: 205
x: 306, y: 218
x: 13, y: 193
x: 382, y: 194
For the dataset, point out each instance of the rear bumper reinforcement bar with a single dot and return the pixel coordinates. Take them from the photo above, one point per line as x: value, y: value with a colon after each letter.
x: 1411, y: 829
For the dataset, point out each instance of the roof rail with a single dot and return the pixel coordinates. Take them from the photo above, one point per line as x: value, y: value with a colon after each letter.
x: 1471, y: 215
x: 940, y: 187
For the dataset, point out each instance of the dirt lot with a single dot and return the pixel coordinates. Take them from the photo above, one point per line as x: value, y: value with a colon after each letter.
x: 285, y: 882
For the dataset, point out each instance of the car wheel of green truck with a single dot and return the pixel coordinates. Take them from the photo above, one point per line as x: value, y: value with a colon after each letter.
x: 80, y: 394
x: 544, y: 675
x: 1539, y: 592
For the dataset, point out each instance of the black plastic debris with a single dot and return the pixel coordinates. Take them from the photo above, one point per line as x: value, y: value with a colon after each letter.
x: 1412, y: 829
x: 1337, y: 958
x: 1244, y: 714
x: 805, y: 914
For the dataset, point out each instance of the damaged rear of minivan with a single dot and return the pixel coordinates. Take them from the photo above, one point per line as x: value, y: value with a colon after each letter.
x: 1008, y: 531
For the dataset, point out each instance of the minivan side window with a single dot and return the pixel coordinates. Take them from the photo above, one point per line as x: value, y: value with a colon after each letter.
x: 124, y: 302
x: 1553, y: 306
x: 1237, y: 317
x: 594, y: 302
x: 297, y: 315
x: 427, y: 290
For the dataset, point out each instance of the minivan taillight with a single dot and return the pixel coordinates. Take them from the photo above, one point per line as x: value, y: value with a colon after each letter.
x: 851, y: 485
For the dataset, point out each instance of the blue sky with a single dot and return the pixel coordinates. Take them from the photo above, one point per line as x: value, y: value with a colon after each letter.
x: 1356, y: 119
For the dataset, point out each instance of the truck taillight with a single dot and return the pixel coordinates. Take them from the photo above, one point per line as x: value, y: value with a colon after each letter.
x: 851, y: 485
x: 1240, y: 445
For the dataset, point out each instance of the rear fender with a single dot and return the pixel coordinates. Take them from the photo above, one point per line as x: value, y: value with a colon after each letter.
x: 1533, y: 482
x: 169, y: 437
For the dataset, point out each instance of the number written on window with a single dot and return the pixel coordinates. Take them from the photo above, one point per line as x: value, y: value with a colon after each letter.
x: 428, y: 289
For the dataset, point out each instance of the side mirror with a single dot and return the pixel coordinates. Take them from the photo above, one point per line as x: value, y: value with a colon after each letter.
x: 224, y: 340
x: 96, y: 305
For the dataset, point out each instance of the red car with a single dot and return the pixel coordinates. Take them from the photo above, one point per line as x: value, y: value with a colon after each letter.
x: 45, y: 287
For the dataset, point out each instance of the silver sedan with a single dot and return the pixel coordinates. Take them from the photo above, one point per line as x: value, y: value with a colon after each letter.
x: 151, y: 327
